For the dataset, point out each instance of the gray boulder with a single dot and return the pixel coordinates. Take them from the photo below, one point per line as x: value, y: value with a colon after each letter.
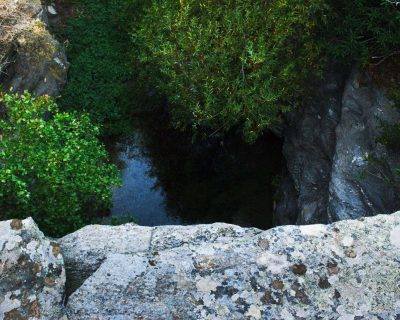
x: 30, y: 57
x: 86, y: 249
x: 347, y: 270
x: 32, y: 274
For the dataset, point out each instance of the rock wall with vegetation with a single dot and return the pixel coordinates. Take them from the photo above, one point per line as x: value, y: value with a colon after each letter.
x: 309, y: 67
x: 222, y: 68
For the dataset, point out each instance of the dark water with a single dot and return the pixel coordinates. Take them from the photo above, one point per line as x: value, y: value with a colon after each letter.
x: 167, y: 179
x: 140, y: 194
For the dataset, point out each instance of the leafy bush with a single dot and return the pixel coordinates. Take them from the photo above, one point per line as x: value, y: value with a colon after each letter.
x: 98, y: 50
x: 363, y: 31
x: 229, y: 62
x: 53, y: 167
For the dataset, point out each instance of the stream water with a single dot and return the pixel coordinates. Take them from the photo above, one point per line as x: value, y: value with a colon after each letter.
x: 140, y: 194
x: 169, y: 180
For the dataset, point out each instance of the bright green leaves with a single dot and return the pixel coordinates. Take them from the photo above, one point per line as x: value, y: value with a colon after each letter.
x: 52, y: 166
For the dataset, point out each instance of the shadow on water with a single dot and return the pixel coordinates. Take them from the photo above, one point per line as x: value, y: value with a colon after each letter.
x: 169, y: 180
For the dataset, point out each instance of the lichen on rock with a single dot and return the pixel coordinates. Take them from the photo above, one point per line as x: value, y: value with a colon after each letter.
x: 32, y: 274
x: 346, y: 270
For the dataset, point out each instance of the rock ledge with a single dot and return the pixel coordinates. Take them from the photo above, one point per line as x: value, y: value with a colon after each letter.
x: 346, y: 270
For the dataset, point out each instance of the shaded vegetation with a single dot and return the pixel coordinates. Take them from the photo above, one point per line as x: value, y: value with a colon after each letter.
x: 236, y: 62
x: 224, y: 66
x: 98, y: 49
x: 221, y: 64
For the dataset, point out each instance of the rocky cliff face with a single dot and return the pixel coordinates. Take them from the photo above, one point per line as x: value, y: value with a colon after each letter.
x: 363, y: 178
x: 30, y: 57
x: 346, y: 270
x: 336, y: 169
x: 309, y: 145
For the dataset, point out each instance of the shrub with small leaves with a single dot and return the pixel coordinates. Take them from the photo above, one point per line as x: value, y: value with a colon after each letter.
x: 229, y: 62
x: 235, y: 62
x: 98, y: 51
x: 52, y: 165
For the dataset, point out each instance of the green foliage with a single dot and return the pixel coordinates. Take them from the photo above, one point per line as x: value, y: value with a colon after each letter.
x: 221, y: 64
x: 232, y: 61
x: 53, y: 167
x: 98, y: 50
x: 235, y: 62
x: 363, y: 31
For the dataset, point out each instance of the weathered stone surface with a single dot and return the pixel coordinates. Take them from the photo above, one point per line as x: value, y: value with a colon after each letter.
x: 30, y: 57
x: 347, y: 270
x: 85, y: 250
x: 336, y: 169
x: 32, y: 274
x: 167, y: 237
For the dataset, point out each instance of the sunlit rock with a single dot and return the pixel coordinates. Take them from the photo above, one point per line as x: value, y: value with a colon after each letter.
x: 32, y: 274
x: 347, y: 270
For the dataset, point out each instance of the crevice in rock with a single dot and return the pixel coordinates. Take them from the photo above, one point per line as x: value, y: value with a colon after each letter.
x: 309, y: 149
x: 74, y: 280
